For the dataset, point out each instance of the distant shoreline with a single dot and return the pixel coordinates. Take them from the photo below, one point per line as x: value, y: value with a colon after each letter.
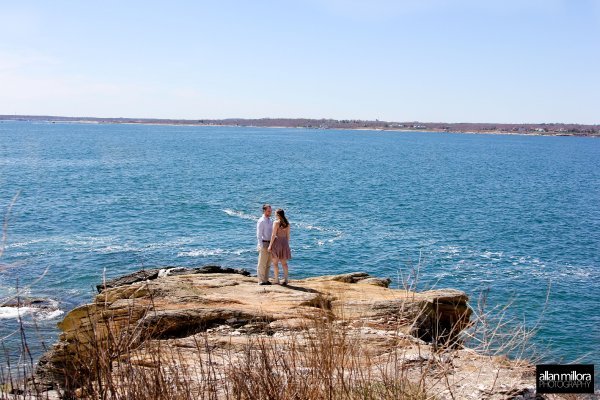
x: 544, y: 129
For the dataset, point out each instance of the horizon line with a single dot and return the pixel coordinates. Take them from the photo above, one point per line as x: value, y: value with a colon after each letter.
x: 196, y: 120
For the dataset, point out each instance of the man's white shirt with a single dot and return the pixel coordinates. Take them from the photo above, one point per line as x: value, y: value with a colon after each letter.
x: 264, y: 229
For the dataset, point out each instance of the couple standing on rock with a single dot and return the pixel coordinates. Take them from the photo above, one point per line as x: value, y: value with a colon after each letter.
x: 273, y: 245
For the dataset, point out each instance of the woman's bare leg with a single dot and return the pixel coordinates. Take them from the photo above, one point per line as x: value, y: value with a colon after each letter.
x: 276, y: 269
x: 285, y: 270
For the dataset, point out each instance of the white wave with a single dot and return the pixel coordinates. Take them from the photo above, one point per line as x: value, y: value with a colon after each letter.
x: 85, y: 241
x: 309, y: 227
x: 580, y: 273
x: 312, y: 227
x: 200, y: 253
x: 520, y: 266
x: 106, y: 245
x: 176, y: 243
x: 25, y: 243
x: 39, y: 313
x: 8, y: 291
x: 116, y: 249
x: 47, y: 314
x: 12, y: 312
x: 442, y: 274
x: 527, y: 262
x: 213, y: 252
x: 333, y: 233
x: 492, y: 254
x: 449, y: 249
x: 242, y: 251
x: 239, y: 214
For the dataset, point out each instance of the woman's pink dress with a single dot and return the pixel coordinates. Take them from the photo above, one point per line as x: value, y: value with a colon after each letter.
x: 280, y: 248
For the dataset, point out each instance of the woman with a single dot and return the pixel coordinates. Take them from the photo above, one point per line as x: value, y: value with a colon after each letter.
x: 280, y: 246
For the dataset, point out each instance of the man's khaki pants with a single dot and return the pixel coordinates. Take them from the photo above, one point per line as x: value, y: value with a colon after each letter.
x: 264, y: 264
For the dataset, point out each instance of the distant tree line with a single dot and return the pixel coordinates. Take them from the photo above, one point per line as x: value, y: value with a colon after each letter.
x: 543, y: 128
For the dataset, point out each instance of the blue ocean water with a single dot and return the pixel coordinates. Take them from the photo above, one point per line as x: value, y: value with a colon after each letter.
x: 506, y: 215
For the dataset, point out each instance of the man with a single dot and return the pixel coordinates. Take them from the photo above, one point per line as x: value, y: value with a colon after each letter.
x: 264, y: 228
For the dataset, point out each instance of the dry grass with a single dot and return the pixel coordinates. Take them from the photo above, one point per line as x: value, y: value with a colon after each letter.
x: 320, y: 361
x: 326, y: 359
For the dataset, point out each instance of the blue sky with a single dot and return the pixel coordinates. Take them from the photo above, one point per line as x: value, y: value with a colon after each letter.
x: 404, y: 60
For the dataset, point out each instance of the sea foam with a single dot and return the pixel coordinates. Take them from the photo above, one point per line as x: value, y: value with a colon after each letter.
x: 38, y: 313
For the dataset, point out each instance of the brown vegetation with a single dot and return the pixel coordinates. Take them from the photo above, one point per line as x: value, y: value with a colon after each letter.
x: 336, y: 337
x: 555, y: 129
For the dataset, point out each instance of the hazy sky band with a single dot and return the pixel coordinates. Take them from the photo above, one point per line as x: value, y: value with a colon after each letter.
x: 428, y: 60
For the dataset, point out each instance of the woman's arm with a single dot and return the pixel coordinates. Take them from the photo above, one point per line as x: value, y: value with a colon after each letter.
x: 288, y: 232
x: 275, y: 225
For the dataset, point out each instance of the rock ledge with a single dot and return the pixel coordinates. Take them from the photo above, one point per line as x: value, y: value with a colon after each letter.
x: 176, y: 307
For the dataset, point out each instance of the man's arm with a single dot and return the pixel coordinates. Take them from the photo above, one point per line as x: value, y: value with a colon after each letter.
x: 258, y: 233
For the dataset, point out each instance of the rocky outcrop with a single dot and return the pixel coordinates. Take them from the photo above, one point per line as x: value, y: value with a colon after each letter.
x: 41, y: 303
x: 177, y: 308
x: 154, y: 273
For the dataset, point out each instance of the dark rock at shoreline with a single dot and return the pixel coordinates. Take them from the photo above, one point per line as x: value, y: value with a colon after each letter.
x: 138, y: 276
x: 154, y: 273
x: 34, y: 302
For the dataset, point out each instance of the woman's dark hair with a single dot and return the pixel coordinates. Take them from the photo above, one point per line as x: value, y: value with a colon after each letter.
x: 281, y: 214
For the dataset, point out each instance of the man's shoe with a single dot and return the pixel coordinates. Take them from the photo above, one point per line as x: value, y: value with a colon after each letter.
x: 264, y: 283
